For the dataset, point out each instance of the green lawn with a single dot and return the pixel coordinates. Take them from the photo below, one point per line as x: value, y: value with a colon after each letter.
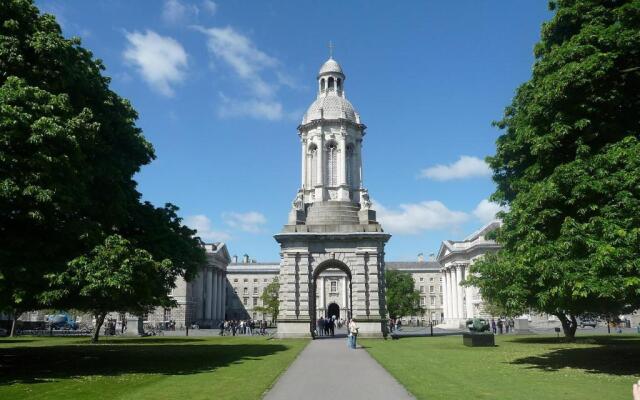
x: 145, y: 368
x: 534, y: 367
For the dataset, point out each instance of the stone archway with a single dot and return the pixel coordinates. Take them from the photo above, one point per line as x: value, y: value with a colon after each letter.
x: 323, y: 266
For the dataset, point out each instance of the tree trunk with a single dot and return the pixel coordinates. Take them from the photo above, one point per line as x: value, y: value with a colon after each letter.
x: 99, y: 321
x: 14, y: 322
x: 569, y: 325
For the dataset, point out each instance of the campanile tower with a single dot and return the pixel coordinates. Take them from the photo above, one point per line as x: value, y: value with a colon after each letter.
x: 331, y: 224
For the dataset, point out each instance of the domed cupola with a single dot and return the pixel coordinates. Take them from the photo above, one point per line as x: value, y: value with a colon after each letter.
x: 331, y: 102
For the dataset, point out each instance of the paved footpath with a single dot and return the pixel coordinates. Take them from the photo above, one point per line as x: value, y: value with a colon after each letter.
x: 328, y: 366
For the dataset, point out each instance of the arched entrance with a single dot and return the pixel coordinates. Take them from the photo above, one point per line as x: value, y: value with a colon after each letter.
x: 329, y: 308
x: 333, y: 311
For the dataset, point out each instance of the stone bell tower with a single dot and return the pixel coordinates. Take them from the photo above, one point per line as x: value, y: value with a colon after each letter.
x: 331, y: 223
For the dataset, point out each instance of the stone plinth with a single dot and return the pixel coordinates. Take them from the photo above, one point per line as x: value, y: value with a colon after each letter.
x: 478, y: 339
x: 521, y: 326
x: 305, y: 255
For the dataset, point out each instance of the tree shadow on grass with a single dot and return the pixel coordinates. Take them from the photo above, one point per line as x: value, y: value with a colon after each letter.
x: 41, y: 364
x: 611, y: 355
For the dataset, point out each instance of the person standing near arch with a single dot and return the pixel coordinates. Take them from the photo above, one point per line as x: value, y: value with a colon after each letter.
x: 353, y: 333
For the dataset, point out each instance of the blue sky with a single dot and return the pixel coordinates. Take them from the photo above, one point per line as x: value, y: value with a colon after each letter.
x: 221, y: 86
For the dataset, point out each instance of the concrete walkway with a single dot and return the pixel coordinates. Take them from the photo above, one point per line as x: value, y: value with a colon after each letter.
x: 327, y: 368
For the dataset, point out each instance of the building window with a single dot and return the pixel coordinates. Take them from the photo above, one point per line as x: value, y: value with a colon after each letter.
x: 440, y: 288
x: 246, y: 290
x: 313, y: 168
x: 334, y: 286
x: 440, y: 299
x: 246, y: 280
x: 245, y: 301
x: 421, y: 279
x: 430, y: 279
x: 255, y: 280
x: 255, y: 290
x: 255, y: 301
x: 422, y: 301
x: 236, y: 280
x: 433, y: 300
x: 350, y: 166
x: 431, y: 289
x: 332, y: 164
x: 421, y: 289
x: 264, y: 280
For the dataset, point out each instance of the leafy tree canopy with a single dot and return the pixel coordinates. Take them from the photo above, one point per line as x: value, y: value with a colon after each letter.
x: 568, y: 167
x: 402, y: 297
x: 115, y: 276
x: 69, y: 148
x: 270, y: 299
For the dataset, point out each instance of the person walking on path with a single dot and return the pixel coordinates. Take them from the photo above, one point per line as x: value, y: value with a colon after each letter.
x: 493, y: 326
x: 353, y: 333
x: 320, y: 326
x: 221, y: 327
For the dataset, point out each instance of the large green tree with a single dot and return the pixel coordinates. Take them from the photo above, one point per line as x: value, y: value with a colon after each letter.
x: 402, y: 297
x: 69, y: 148
x: 568, y: 167
x: 115, y: 276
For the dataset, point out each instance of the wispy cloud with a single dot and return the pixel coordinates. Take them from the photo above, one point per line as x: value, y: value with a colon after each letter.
x: 254, y: 108
x: 210, y: 6
x: 204, y: 226
x: 175, y: 12
x: 251, y: 221
x: 486, y: 211
x: 465, y: 167
x: 260, y: 73
x: 416, y: 218
x: 160, y: 60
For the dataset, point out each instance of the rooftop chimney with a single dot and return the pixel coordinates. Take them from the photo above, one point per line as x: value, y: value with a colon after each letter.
x: 420, y: 257
x: 245, y: 259
x: 235, y: 259
x: 432, y: 257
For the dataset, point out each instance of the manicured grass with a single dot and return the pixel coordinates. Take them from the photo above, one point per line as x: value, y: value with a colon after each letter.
x: 143, y: 368
x: 534, y: 367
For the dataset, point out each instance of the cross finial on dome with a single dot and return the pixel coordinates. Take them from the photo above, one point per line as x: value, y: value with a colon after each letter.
x: 330, y: 49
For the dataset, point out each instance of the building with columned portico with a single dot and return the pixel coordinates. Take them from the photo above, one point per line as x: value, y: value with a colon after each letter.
x: 456, y: 257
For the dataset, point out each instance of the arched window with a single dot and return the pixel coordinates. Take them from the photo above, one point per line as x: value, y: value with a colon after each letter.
x: 322, y: 84
x: 339, y: 84
x: 349, y: 162
x: 313, y: 164
x: 332, y: 164
x: 331, y: 82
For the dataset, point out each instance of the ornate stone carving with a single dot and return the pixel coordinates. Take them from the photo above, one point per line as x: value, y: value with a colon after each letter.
x: 298, y: 202
x: 365, y: 202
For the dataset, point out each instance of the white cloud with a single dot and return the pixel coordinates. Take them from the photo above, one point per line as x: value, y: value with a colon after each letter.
x: 203, y: 225
x: 486, y: 211
x: 258, y: 71
x: 465, y: 167
x: 161, y: 60
x: 254, y: 108
x: 174, y: 12
x: 210, y: 6
x: 244, y: 58
x: 419, y: 217
x: 251, y: 221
